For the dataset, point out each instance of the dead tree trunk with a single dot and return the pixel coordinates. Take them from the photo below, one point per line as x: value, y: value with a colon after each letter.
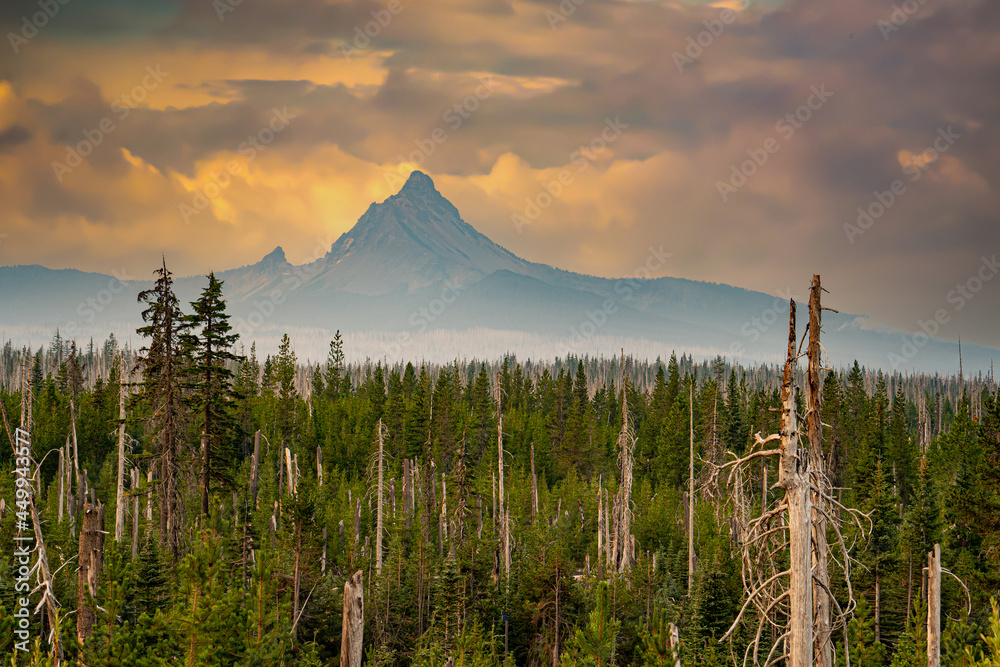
x: 120, y: 493
x: 534, y: 486
x: 255, y: 468
x: 322, y: 560
x: 291, y: 472
x: 76, y: 456
x: 298, y: 574
x: 763, y: 484
x: 502, y: 516
x: 622, y: 540
x: 818, y: 479
x: 62, y: 482
x: 793, y: 477
x: 354, y: 622
x: 934, y: 607
x: 149, y: 495
x: 378, y: 522
x: 691, y: 496
x: 135, y: 513
x: 319, y: 464
x: 90, y: 559
x: 357, y: 523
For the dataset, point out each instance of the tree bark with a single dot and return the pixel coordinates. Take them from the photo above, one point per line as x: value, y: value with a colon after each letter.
x: 319, y: 463
x: 354, y: 622
x: 89, y: 559
x: 62, y: 482
x: 794, y: 479
x: 378, y: 522
x: 934, y: 607
x: 534, y: 486
x: 255, y: 468
x: 135, y: 513
x: 120, y: 492
x: 691, y: 496
x: 817, y: 474
x: 76, y: 455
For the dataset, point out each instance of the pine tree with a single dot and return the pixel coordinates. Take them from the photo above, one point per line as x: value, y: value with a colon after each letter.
x: 162, y: 363
x: 208, y: 341
x: 901, y: 449
x: 207, y: 617
x: 736, y: 433
x: 865, y: 649
x: 594, y: 643
x: 911, y: 649
x: 152, y: 572
x: 657, y: 642
x: 111, y: 640
x: 924, y: 516
x: 74, y: 371
x: 879, y: 554
x: 992, y: 640
x: 268, y: 629
x: 335, y: 368
x: 284, y: 377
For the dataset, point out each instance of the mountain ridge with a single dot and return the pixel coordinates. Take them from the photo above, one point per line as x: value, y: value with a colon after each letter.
x: 412, y: 265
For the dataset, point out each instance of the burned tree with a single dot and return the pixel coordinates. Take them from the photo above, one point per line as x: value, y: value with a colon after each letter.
x: 622, y: 542
x: 791, y: 600
x: 354, y: 621
x: 90, y: 559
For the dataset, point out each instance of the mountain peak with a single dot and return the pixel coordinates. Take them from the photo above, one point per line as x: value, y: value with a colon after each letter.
x: 414, y: 239
x: 418, y: 182
x: 276, y: 256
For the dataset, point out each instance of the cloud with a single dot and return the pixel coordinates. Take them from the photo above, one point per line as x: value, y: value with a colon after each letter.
x: 359, y: 117
x: 13, y: 136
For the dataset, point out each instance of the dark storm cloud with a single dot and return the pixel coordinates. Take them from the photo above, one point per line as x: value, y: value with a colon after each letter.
x: 687, y: 129
x: 13, y: 136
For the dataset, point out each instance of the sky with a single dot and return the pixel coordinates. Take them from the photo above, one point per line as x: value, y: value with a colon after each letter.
x: 758, y: 143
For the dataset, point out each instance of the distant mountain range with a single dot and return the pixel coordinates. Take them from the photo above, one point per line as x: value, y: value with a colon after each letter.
x: 412, y: 280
